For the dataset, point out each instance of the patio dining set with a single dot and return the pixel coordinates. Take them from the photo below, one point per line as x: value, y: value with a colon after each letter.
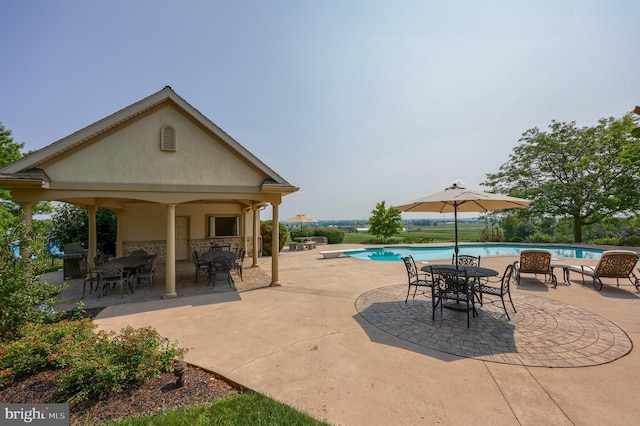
x: 126, y: 272
x: 220, y: 261
x: 462, y: 284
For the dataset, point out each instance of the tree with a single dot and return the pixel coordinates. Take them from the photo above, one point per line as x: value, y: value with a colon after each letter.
x: 10, y: 213
x: 636, y: 132
x: 9, y: 152
x: 384, y: 222
x: 586, y: 174
x: 71, y: 224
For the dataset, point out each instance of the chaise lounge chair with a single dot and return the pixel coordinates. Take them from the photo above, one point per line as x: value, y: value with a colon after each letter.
x: 612, y: 264
x: 535, y: 261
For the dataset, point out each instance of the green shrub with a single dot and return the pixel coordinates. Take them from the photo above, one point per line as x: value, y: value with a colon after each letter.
x: 539, y: 237
x: 334, y: 235
x: 42, y: 347
x: 21, y: 292
x: 266, y: 228
x: 613, y: 241
x: 300, y: 233
x: 94, y: 364
x: 632, y: 241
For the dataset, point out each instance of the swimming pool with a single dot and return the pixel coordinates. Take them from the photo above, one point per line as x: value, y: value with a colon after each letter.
x: 446, y: 252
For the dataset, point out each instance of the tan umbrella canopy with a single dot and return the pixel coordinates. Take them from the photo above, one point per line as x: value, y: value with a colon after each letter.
x: 458, y: 199
x: 302, y: 218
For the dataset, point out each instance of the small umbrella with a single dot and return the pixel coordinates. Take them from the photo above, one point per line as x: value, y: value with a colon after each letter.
x: 302, y: 218
x: 458, y: 199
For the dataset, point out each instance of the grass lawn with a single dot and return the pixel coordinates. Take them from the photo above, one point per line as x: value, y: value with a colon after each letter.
x: 444, y: 232
x: 242, y: 409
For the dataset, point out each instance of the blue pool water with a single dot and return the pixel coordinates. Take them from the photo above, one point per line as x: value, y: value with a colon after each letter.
x: 446, y: 252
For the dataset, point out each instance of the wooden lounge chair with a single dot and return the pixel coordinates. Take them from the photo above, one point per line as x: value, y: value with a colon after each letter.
x: 534, y: 261
x: 612, y: 264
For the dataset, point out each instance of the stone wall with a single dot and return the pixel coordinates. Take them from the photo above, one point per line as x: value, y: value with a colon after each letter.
x: 200, y: 245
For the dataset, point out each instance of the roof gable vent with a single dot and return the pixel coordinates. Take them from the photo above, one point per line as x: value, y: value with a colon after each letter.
x: 168, y: 138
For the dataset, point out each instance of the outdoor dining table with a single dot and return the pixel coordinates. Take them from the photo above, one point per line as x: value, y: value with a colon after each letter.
x: 132, y: 263
x: 473, y: 273
x: 129, y: 263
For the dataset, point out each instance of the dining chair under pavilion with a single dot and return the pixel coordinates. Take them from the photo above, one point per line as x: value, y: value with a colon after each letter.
x: 503, y: 289
x: 88, y: 277
x: 199, y: 264
x: 221, y: 265
x: 237, y: 264
x: 139, y: 253
x: 112, y: 273
x: 416, y: 279
x: 148, y: 271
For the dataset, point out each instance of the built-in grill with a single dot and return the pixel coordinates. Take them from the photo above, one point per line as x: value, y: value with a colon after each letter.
x: 73, y: 253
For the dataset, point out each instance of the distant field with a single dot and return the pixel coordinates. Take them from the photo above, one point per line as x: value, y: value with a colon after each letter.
x: 444, y: 232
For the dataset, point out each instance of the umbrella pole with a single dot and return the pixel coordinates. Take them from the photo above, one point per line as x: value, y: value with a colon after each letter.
x: 455, y: 223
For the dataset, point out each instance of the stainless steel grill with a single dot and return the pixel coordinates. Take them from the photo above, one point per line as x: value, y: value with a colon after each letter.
x: 73, y: 253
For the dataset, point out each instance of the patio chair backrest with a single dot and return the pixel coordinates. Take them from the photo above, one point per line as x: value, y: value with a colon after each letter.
x: 84, y: 267
x: 412, y: 270
x: 222, y: 263
x: 151, y: 264
x: 616, y: 263
x: 505, y: 283
x: 445, y: 277
x: 465, y: 260
x: 139, y: 253
x: 111, y: 270
x: 535, y: 261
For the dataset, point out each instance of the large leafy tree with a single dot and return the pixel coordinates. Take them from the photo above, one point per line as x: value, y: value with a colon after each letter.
x: 9, y: 152
x: 586, y: 174
x: 384, y: 222
x: 71, y: 224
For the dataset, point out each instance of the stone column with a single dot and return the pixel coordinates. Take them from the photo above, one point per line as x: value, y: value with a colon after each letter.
x: 120, y: 234
x: 93, y: 234
x: 170, y: 275
x: 27, y: 217
x: 275, y: 247
x: 256, y: 233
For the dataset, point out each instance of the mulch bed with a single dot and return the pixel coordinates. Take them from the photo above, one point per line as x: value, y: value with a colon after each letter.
x: 154, y: 396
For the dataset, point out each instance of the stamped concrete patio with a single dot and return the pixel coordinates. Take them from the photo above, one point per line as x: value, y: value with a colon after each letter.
x: 337, y: 341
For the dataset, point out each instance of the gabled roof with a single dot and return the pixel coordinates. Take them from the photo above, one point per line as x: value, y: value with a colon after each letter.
x: 17, y: 169
x: 31, y: 178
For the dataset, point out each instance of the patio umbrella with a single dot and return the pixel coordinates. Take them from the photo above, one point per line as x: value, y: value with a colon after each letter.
x: 458, y: 199
x: 302, y: 218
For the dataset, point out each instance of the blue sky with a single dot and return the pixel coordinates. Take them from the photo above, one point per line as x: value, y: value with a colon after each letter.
x: 355, y: 102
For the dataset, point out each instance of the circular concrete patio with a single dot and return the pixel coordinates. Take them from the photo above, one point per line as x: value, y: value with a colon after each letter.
x: 543, y: 333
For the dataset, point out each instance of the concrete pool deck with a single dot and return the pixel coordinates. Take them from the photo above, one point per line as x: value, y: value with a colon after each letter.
x: 306, y: 344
